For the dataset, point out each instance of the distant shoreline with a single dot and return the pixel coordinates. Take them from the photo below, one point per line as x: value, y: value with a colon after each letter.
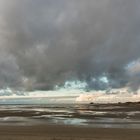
x: 74, y: 103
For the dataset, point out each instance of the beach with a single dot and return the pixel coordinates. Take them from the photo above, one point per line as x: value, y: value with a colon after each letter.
x: 69, y: 69
x: 61, y: 132
x: 70, y: 122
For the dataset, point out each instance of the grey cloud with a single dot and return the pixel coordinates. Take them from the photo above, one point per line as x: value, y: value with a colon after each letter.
x: 53, y: 41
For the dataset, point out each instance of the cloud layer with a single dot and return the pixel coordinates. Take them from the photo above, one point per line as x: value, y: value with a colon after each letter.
x: 44, y: 43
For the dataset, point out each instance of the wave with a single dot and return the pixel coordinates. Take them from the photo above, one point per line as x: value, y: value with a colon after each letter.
x: 77, y: 96
x: 108, y: 98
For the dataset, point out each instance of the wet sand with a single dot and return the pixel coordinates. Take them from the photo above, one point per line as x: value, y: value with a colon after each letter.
x: 55, y: 122
x: 62, y: 132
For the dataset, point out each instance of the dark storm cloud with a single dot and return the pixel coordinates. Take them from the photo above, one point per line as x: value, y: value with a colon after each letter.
x: 47, y: 42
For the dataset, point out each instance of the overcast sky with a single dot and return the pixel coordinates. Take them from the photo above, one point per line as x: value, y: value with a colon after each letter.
x: 44, y: 43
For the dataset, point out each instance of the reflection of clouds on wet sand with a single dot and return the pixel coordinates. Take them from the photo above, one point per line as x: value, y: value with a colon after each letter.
x: 109, y: 115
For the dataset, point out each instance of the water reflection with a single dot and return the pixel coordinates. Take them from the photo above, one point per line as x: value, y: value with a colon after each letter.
x: 106, y: 116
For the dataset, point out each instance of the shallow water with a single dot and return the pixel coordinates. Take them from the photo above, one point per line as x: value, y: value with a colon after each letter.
x: 104, y: 116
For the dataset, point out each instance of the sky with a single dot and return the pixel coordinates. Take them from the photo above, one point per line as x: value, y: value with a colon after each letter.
x: 45, y: 44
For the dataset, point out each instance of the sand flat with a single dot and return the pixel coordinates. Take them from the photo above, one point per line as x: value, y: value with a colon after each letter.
x: 61, y: 132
